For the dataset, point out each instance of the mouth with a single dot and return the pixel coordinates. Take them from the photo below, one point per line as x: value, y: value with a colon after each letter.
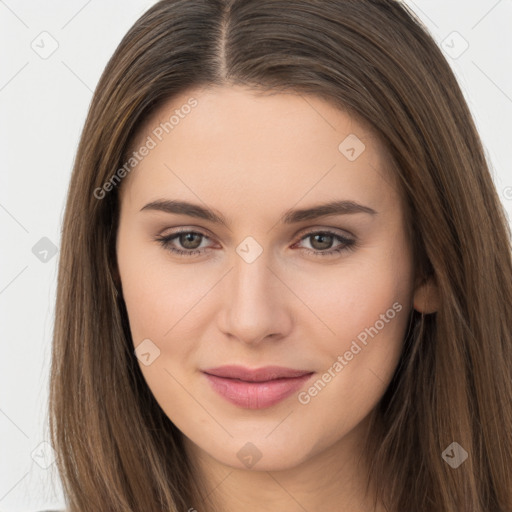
x: 258, y: 388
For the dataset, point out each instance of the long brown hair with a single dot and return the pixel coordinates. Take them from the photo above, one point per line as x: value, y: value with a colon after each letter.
x: 116, y: 449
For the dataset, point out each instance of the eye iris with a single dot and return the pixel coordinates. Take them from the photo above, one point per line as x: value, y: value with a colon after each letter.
x: 325, y: 245
x: 188, y: 237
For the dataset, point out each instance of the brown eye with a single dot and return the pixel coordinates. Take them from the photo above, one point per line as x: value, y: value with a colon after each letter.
x: 187, y: 240
x: 183, y: 242
x: 322, y: 242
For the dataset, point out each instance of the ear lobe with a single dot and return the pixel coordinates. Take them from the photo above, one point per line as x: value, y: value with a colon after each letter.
x: 426, y: 297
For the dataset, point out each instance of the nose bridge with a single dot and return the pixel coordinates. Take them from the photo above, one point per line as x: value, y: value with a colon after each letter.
x: 252, y: 307
x: 251, y: 286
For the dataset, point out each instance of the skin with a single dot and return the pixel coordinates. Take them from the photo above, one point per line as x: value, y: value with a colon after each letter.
x: 251, y: 157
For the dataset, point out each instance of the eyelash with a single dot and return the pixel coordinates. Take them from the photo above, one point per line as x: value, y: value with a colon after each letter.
x: 347, y: 243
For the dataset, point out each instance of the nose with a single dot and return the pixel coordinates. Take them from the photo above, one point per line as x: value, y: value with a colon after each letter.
x: 255, y: 305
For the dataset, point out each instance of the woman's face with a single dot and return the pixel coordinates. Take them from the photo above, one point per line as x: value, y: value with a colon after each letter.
x: 268, y: 276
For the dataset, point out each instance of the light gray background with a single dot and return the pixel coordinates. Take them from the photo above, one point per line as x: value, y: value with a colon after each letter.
x: 43, y: 103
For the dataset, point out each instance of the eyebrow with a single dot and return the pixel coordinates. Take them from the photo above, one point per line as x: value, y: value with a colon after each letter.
x: 289, y: 217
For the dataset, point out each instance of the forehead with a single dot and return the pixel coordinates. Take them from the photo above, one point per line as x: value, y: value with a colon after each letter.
x: 250, y: 143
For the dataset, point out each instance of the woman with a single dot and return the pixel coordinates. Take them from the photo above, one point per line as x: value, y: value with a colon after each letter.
x: 250, y: 370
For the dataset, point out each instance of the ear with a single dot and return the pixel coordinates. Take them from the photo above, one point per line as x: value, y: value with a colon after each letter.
x: 426, y: 296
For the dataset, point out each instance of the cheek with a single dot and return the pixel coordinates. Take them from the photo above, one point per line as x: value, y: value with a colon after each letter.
x: 157, y: 293
x: 367, y: 305
x: 160, y: 301
x: 370, y: 319
x: 354, y: 296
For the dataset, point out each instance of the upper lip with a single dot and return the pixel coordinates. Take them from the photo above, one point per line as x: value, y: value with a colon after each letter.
x: 263, y: 374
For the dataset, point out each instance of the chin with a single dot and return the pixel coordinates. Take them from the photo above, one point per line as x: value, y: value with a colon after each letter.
x: 258, y: 455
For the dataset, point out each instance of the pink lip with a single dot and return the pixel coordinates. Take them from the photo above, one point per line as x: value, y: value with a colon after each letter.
x: 256, y: 389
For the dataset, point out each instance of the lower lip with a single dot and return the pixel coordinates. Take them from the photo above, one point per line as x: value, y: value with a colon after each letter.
x: 256, y: 395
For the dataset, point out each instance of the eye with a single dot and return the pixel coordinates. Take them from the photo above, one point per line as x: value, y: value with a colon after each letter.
x: 321, y: 243
x: 190, y: 240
